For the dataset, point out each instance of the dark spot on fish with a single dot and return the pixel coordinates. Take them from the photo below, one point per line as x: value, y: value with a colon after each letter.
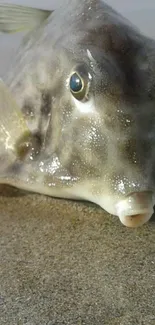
x: 19, y: 84
x: 46, y: 103
x: 28, y: 109
x: 134, y: 149
x: 128, y: 148
x: 28, y: 146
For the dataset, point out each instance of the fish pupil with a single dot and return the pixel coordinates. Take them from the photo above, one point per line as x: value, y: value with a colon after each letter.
x: 75, y: 83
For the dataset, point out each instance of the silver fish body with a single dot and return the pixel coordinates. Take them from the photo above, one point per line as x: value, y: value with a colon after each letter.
x: 84, y: 80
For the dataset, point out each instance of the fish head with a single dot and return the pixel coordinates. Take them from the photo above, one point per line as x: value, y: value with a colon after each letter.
x: 105, y: 120
x: 94, y: 76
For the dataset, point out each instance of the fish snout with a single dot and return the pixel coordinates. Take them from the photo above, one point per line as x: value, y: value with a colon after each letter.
x: 136, y: 209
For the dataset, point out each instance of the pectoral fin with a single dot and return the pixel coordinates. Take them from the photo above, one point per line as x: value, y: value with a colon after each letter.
x: 12, y: 122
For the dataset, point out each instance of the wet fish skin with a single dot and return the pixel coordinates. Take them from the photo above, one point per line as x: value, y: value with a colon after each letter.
x: 101, y: 148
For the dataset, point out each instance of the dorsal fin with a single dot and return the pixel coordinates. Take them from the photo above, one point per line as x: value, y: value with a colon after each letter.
x: 16, y: 18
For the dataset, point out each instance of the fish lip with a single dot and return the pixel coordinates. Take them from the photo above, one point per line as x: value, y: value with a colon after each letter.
x: 136, y: 220
x: 136, y: 209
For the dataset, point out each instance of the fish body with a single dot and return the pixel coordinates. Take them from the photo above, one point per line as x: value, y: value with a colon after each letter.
x: 84, y: 80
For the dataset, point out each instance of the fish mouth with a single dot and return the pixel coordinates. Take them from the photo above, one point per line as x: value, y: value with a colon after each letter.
x: 136, y: 209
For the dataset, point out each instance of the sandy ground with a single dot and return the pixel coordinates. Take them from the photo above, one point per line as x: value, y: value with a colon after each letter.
x: 66, y: 262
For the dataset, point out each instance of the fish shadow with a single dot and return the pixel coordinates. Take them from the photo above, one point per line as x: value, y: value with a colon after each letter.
x: 153, y: 216
x: 10, y: 191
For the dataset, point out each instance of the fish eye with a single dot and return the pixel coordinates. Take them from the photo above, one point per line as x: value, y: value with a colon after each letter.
x: 79, y: 83
x: 77, y: 86
x: 76, y: 83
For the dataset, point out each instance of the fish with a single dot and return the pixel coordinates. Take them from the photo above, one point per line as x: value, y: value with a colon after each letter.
x: 79, y: 99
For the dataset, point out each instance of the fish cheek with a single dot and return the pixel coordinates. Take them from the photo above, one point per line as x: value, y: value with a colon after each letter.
x: 84, y: 151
